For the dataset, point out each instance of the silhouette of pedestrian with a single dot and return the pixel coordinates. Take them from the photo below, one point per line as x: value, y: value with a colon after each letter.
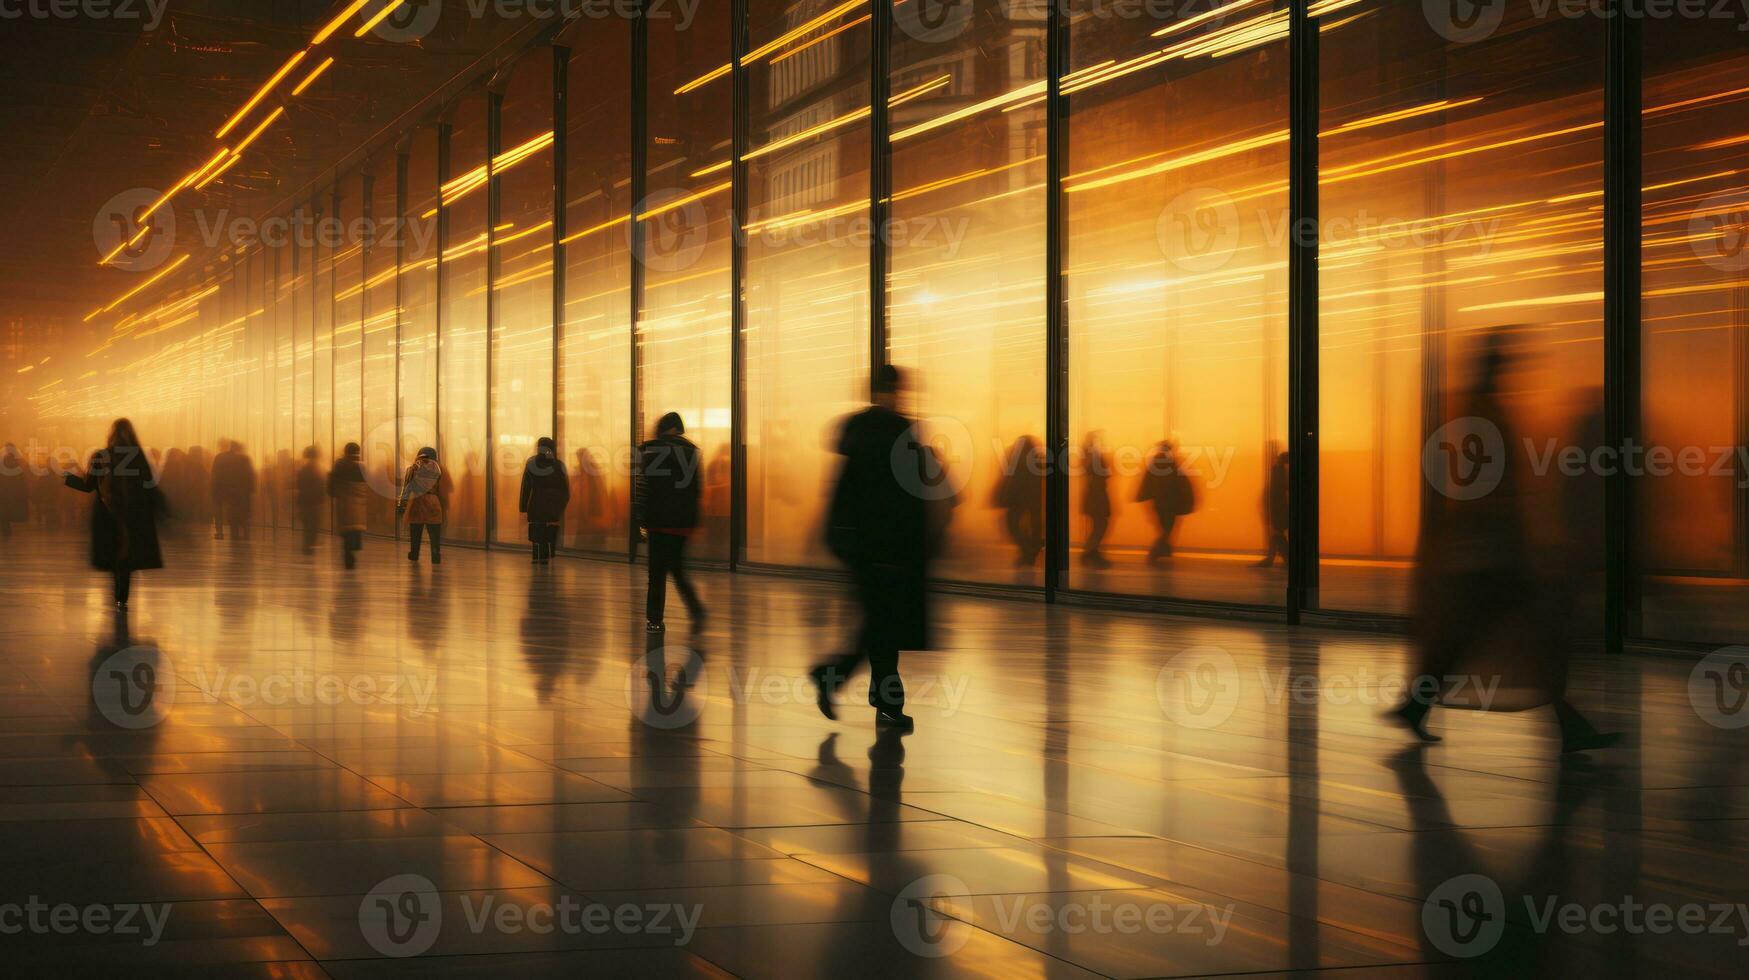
x: 546, y: 491
x: 310, y: 497
x: 666, y: 502
x: 1095, y: 499
x: 1275, y: 511
x: 1020, y: 494
x: 880, y: 527
x: 346, y: 484
x: 14, y: 490
x: 124, y: 517
x: 424, y: 503
x: 1168, y: 490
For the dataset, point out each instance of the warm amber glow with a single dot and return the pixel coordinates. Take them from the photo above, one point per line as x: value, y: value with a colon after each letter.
x: 388, y: 8
x: 260, y: 94
x: 312, y: 76
x: 352, y: 8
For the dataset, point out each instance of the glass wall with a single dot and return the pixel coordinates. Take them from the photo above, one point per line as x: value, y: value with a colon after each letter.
x: 522, y: 247
x: 381, y: 322
x: 1694, y: 509
x: 1175, y: 195
x: 595, y: 338
x: 462, y: 322
x: 1461, y: 189
x: 418, y: 347
x: 966, y: 274
x: 807, y: 235
x: 1461, y: 183
x: 684, y: 322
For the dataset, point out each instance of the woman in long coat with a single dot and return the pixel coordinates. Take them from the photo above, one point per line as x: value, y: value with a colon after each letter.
x: 424, y: 500
x: 124, y: 517
x: 546, y: 492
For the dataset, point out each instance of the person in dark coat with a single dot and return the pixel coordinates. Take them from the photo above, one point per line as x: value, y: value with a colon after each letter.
x: 14, y: 490
x: 424, y: 502
x: 1020, y: 494
x: 1169, y: 492
x: 1095, y: 500
x: 233, y: 490
x: 546, y: 491
x: 879, y: 525
x: 311, y: 495
x: 346, y: 484
x: 1275, y: 510
x: 666, y: 505
x: 124, y: 517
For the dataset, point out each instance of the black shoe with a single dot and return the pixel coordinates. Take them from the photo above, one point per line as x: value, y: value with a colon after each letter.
x: 413, y: 556
x: 435, y: 560
x: 1416, y: 725
x: 1585, y: 743
x: 654, y: 627
x: 823, y: 693
x: 894, y: 719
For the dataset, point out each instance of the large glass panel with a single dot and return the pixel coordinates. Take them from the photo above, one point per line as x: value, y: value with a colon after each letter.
x: 1461, y: 175
x: 807, y: 263
x: 966, y: 281
x: 1694, y: 498
x: 683, y: 329
x: 322, y: 241
x: 275, y: 264
x: 418, y: 349
x: 297, y: 296
x: 348, y: 315
x: 1175, y: 193
x: 522, y: 243
x: 381, y: 322
x: 462, y: 425
x: 595, y: 342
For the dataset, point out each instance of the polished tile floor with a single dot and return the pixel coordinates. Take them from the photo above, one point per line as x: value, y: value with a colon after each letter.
x: 277, y: 768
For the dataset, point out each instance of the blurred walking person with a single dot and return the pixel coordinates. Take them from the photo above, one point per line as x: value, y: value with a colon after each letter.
x: 14, y: 490
x: 666, y: 506
x: 1490, y: 628
x: 879, y: 525
x: 233, y: 486
x: 1168, y: 490
x: 424, y: 503
x: 1275, y: 511
x: 1020, y: 494
x: 546, y: 491
x: 346, y: 484
x: 311, y: 496
x: 124, y: 515
x: 1095, y: 499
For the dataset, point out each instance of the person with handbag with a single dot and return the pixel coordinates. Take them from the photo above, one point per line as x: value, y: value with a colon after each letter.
x: 546, y: 492
x: 424, y: 503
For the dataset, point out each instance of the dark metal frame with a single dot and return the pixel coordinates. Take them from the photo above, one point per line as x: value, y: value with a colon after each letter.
x: 1303, y: 392
x: 494, y: 146
x: 740, y: 141
x: 880, y: 178
x: 1621, y: 316
x: 635, y: 236
x: 561, y: 190
x: 1057, y: 445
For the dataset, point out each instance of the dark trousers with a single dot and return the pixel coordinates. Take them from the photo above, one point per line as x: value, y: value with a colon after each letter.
x: 350, y: 542
x: 1026, y: 529
x: 1163, y: 542
x: 123, y: 579
x: 1096, y: 528
x: 436, y: 532
x: 544, y: 538
x: 308, y: 517
x: 668, y: 558
x: 873, y: 642
x: 1277, y: 545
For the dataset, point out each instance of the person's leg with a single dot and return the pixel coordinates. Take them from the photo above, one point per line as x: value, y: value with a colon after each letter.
x: 1092, y: 552
x: 414, y: 533
x: 656, y: 598
x: 122, y: 583
x: 886, y: 692
x: 683, y: 582
x: 435, y: 532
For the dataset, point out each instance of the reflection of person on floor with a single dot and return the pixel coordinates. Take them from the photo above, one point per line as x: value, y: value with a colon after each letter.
x: 424, y: 499
x: 1095, y: 499
x: 546, y: 490
x: 667, y: 505
x: 1020, y: 494
x: 879, y: 525
x: 1275, y: 510
x: 346, y: 484
x: 311, y: 494
x: 124, y: 517
x: 1168, y: 491
x: 14, y: 490
x: 1488, y: 628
